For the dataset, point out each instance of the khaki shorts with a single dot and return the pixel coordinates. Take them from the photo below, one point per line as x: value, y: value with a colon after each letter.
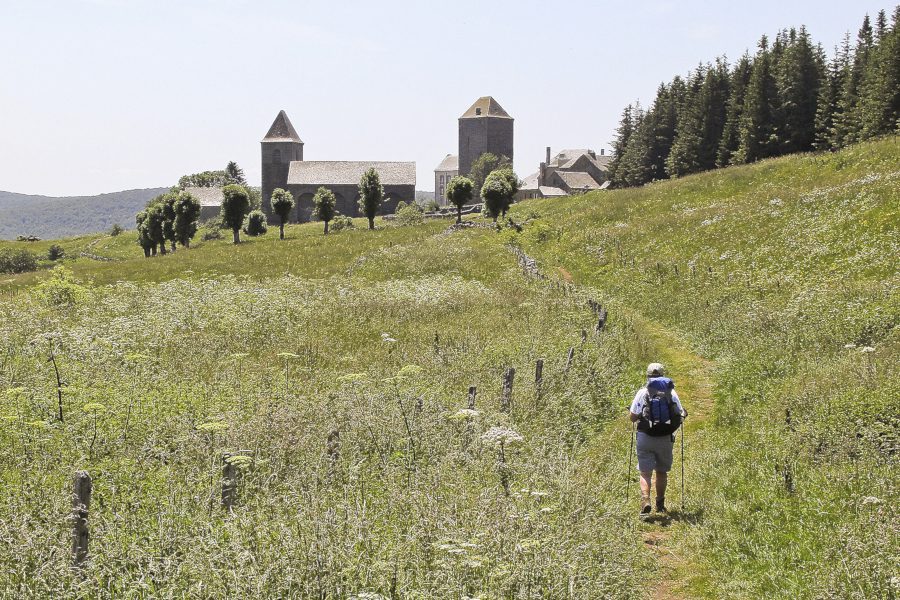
x: 654, y: 453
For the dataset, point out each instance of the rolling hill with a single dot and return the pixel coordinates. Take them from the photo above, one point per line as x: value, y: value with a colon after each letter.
x: 50, y: 217
x: 294, y: 418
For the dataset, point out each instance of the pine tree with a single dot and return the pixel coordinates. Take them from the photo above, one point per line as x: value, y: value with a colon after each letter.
x: 661, y: 121
x: 879, y: 98
x: 799, y: 80
x: 684, y: 157
x: 848, y: 122
x: 758, y: 135
x: 623, y: 133
x: 635, y: 168
x: 739, y: 80
x: 829, y: 96
x: 714, y: 108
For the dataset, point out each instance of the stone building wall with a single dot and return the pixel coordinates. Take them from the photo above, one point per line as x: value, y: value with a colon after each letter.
x: 478, y: 135
x: 347, y: 197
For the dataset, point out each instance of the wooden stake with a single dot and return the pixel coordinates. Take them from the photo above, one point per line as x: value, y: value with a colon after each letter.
x: 229, y: 482
x: 538, y: 376
x: 570, y: 357
x: 473, y: 391
x: 81, y: 503
x: 506, y: 394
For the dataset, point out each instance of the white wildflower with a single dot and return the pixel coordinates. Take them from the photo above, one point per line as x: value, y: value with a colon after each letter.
x: 501, y: 435
x: 871, y: 500
x: 386, y: 337
x: 867, y: 349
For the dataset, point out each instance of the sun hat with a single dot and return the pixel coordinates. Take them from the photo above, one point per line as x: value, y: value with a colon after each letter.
x: 656, y: 370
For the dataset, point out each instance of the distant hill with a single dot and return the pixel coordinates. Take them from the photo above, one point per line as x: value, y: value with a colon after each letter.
x: 49, y: 217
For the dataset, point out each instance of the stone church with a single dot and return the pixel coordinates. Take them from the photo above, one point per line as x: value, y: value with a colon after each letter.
x: 283, y: 167
x: 485, y: 127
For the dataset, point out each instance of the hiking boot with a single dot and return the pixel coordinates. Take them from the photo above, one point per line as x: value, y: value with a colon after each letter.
x: 661, y: 505
x: 645, y: 506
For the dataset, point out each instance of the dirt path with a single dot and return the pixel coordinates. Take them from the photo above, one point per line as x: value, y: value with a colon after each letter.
x: 693, y: 375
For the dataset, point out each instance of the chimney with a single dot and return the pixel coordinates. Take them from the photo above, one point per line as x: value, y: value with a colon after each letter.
x: 602, y: 152
x: 548, y: 155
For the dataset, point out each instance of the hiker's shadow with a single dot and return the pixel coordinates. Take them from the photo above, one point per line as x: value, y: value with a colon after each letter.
x: 690, y: 516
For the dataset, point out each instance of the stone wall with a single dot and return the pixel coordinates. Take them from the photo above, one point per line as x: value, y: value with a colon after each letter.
x: 347, y: 197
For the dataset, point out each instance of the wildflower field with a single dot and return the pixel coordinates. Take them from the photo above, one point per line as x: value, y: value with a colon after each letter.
x: 293, y: 419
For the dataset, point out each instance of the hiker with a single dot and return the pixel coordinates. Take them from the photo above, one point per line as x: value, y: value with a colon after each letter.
x: 658, y: 414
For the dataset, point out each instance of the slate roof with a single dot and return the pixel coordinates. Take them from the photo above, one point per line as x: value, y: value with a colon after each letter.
x: 282, y: 130
x: 578, y: 180
x: 551, y: 192
x: 530, y: 183
x: 207, y: 196
x: 345, y: 172
x: 450, y: 163
x: 567, y: 156
x: 489, y: 108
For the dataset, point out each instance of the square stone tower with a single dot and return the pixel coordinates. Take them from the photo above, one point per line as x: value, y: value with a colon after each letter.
x: 280, y: 146
x: 485, y: 127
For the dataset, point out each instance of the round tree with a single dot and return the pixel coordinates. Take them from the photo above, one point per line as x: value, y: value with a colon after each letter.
x: 512, y: 181
x: 187, y: 213
x: 324, y: 202
x: 235, y: 206
x: 282, y: 204
x: 459, y: 192
x: 494, y: 193
x: 371, y: 195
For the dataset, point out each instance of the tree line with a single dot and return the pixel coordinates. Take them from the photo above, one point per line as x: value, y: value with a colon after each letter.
x: 787, y: 97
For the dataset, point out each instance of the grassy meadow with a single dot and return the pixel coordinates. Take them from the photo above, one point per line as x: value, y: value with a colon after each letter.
x: 332, y: 372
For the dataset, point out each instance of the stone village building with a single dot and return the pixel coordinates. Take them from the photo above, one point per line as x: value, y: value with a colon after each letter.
x: 570, y: 172
x: 485, y: 127
x: 283, y: 167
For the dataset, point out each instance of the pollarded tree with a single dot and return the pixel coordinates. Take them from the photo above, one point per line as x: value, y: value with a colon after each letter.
x: 459, y: 192
x: 282, y: 204
x: 187, y: 213
x: 512, y: 183
x: 371, y: 195
x: 324, y: 202
x: 168, y: 209
x: 235, y: 206
x: 143, y: 236
x: 155, y: 225
x: 483, y: 166
x: 494, y: 192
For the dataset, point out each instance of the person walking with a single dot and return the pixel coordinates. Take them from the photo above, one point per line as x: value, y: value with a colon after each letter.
x: 658, y: 413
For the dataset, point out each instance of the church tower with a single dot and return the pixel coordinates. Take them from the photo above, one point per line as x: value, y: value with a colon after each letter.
x: 280, y: 146
x: 485, y: 127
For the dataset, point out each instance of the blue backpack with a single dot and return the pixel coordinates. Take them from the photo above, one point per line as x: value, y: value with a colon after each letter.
x: 660, y: 415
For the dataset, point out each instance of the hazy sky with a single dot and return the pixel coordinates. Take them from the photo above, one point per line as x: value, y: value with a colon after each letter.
x: 103, y: 95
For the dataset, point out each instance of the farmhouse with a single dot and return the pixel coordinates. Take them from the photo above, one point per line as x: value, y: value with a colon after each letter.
x: 283, y: 167
x: 573, y: 171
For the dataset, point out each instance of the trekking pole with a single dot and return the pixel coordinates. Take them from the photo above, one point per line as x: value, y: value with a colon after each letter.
x: 682, y: 468
x: 630, y: 452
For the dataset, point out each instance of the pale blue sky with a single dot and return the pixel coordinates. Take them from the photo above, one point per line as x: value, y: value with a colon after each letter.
x: 102, y: 95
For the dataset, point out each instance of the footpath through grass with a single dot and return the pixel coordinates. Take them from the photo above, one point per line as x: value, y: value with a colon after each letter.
x: 783, y: 275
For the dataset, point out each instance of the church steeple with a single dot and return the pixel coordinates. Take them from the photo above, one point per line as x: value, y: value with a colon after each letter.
x: 282, y: 130
x: 279, y: 148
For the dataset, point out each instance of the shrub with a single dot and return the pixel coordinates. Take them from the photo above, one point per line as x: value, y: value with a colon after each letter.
x: 115, y: 230
x: 255, y: 224
x: 341, y: 222
x: 55, y: 252
x: 409, y: 214
x: 61, y: 288
x: 211, y: 230
x: 17, y: 261
x: 431, y: 206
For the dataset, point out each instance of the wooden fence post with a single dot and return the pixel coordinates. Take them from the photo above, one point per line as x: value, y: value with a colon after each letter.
x: 570, y: 357
x: 583, y: 335
x: 472, y: 392
x: 229, y: 482
x: 538, y: 376
x: 81, y: 503
x: 506, y: 394
x: 601, y: 320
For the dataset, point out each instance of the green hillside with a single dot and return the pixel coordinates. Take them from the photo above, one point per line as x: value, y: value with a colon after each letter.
x: 49, y: 217
x: 334, y: 371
